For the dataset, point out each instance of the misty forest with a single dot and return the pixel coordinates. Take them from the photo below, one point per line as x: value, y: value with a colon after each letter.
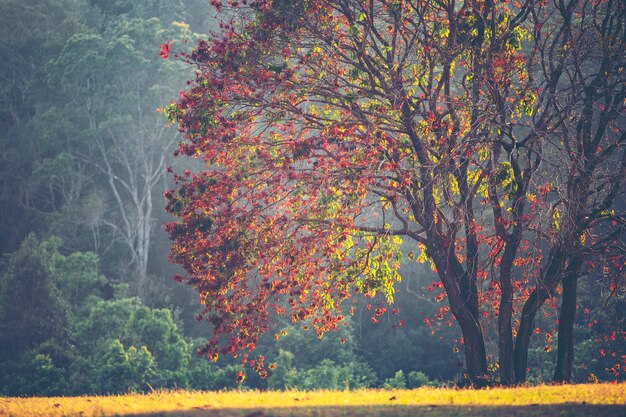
x: 310, y: 195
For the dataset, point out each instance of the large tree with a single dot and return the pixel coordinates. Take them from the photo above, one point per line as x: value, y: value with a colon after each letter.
x: 334, y: 130
x: 27, y: 140
x: 31, y: 308
x: 582, y: 60
x: 114, y: 83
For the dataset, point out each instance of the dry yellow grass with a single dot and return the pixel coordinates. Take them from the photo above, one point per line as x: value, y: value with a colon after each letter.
x: 567, y: 400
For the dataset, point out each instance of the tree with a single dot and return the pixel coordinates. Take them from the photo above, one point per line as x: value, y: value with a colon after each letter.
x: 25, y: 99
x: 113, y: 84
x: 134, y: 326
x: 334, y: 130
x: 121, y: 369
x: 581, y: 59
x: 31, y: 308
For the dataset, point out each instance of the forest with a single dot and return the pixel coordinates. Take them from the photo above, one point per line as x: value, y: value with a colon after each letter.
x: 116, y: 112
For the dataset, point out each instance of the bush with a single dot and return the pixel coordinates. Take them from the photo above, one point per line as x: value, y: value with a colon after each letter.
x: 328, y: 375
x: 323, y: 376
x: 285, y: 376
x: 156, y: 329
x: 36, y: 374
x: 136, y: 325
x: 32, y: 310
x: 207, y: 376
x: 417, y: 379
x: 397, y: 382
x: 361, y: 375
x: 120, y: 370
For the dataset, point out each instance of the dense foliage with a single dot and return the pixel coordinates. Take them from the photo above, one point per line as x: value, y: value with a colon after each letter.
x: 488, y: 137
x: 84, y: 152
x: 87, y: 303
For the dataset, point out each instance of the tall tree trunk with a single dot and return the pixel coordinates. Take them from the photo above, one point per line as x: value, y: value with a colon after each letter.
x: 505, y: 310
x: 544, y: 289
x: 505, y: 332
x: 525, y: 331
x: 567, y: 315
x: 463, y: 298
x: 475, y: 355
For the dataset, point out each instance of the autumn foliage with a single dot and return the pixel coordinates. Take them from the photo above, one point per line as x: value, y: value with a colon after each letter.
x: 486, y: 137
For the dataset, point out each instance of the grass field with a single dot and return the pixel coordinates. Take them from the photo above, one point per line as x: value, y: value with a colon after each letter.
x: 560, y: 401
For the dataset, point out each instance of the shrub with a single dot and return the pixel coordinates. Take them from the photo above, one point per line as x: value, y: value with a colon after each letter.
x: 122, y: 370
x: 285, y: 376
x: 328, y: 375
x: 417, y: 379
x: 397, y: 382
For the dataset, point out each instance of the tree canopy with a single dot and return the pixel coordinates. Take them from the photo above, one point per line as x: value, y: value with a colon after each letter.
x: 486, y: 137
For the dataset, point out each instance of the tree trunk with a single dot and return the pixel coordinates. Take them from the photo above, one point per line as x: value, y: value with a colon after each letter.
x: 565, y: 352
x: 526, y: 328
x: 464, y: 305
x: 505, y: 333
x: 475, y: 357
x: 466, y: 311
x: 505, y: 310
x: 543, y: 290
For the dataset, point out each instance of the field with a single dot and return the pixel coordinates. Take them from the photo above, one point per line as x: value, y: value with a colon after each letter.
x: 562, y: 401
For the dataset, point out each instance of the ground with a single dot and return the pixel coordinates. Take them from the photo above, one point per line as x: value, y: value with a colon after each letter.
x: 591, y: 400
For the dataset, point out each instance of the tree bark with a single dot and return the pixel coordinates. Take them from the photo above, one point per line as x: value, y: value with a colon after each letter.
x: 505, y: 311
x: 475, y: 356
x: 544, y: 289
x: 505, y: 332
x: 462, y: 292
x: 464, y: 304
x: 526, y: 328
x: 565, y: 350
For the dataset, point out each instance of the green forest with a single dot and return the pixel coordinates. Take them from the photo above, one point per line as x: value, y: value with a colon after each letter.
x: 89, y: 303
